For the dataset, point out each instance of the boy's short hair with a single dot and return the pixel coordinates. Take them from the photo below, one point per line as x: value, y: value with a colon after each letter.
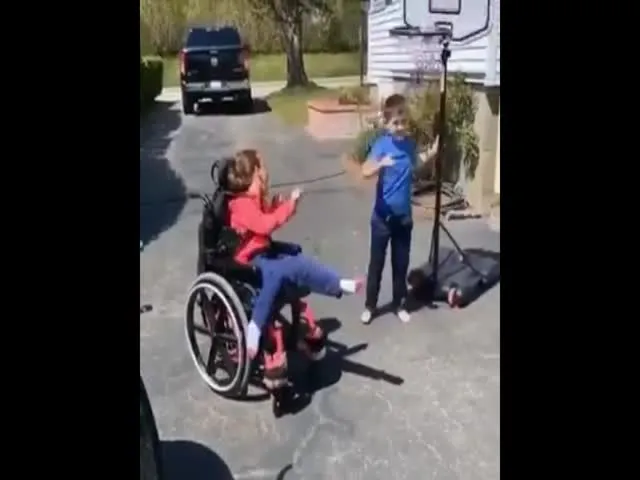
x: 393, y: 106
x: 242, y: 169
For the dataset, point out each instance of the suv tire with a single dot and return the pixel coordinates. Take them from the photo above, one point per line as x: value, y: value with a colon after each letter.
x: 188, y: 104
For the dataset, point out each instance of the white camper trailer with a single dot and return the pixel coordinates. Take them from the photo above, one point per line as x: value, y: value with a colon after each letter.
x: 394, y: 61
x: 391, y: 60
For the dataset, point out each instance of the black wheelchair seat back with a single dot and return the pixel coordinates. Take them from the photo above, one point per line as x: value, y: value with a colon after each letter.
x: 215, y: 239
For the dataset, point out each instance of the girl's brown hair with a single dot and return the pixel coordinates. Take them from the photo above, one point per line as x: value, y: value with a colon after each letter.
x: 242, y: 170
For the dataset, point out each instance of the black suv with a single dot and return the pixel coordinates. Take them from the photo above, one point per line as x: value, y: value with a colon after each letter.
x: 214, y: 66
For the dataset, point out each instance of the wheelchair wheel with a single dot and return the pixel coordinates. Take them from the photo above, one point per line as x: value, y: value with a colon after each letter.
x: 215, y: 326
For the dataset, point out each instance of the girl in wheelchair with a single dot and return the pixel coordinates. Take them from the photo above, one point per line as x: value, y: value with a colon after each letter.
x: 255, y: 218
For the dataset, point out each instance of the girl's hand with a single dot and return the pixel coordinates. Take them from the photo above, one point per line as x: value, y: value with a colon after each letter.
x: 295, y: 194
x: 386, y: 161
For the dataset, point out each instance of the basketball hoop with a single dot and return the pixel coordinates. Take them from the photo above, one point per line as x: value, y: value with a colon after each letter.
x: 425, y: 53
x: 431, y: 53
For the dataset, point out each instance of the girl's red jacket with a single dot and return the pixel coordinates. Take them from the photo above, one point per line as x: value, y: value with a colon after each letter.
x: 255, y: 222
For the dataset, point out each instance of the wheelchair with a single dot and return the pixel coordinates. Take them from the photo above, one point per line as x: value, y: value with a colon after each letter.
x: 219, y: 304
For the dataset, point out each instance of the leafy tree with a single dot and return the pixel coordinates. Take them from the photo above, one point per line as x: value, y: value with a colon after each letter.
x: 288, y: 16
x: 161, y: 25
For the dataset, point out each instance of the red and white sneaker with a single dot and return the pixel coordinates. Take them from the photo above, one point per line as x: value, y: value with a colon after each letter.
x: 275, y: 364
x: 312, y: 343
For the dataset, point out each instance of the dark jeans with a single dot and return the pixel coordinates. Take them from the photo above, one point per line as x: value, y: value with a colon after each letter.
x: 299, y: 269
x: 396, y: 229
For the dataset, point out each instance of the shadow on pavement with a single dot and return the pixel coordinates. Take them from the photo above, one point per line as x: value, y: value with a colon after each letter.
x: 184, y: 459
x: 313, y: 377
x: 336, y: 362
x: 162, y: 191
x: 310, y: 377
x: 209, y: 108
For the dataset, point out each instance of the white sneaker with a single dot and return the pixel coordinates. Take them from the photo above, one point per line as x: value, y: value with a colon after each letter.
x: 403, y: 315
x: 366, y: 317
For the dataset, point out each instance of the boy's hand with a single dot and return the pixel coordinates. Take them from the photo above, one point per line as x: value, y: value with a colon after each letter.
x: 424, y: 156
x: 431, y: 152
x: 295, y: 194
x: 386, y: 161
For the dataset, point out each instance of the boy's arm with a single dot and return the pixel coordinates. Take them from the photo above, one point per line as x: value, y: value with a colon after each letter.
x: 247, y: 214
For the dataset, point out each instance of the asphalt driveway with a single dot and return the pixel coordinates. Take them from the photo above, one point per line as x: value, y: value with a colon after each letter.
x: 415, y: 401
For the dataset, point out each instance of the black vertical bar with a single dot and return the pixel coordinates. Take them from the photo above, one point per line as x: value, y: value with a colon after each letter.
x: 442, y: 127
x: 363, y: 41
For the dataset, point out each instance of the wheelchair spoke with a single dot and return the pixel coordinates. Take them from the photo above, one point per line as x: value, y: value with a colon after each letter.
x: 202, y: 330
x: 208, y: 311
x: 229, y: 365
x: 211, y: 360
x: 219, y: 353
x: 225, y: 337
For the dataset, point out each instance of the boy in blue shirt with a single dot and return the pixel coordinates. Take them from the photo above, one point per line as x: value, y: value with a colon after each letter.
x: 393, y: 157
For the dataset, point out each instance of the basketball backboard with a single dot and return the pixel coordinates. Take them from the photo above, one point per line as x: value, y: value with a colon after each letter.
x: 467, y: 19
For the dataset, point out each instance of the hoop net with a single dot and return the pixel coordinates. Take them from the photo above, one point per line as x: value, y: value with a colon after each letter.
x: 424, y: 52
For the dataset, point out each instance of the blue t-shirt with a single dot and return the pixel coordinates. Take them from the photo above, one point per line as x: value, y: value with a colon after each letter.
x: 393, y: 192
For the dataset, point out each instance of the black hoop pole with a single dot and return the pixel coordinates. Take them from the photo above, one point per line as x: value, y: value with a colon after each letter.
x: 442, y: 134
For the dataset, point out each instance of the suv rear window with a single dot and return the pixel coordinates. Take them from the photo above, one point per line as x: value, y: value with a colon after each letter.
x: 206, y: 37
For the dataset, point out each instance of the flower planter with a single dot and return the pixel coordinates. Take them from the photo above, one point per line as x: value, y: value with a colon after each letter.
x: 328, y: 119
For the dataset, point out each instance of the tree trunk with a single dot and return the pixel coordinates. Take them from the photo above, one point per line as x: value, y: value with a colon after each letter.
x: 292, y: 42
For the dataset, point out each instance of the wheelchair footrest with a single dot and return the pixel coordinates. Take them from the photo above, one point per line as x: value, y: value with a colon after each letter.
x: 314, y: 345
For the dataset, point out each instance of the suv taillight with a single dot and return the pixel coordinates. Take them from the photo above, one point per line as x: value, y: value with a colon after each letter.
x: 181, y: 58
x: 243, y: 59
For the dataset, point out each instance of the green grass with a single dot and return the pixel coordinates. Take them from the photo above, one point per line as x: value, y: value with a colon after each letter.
x: 266, y: 68
x: 291, y: 104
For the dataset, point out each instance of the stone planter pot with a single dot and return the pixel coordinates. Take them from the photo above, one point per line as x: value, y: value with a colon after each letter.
x: 328, y: 119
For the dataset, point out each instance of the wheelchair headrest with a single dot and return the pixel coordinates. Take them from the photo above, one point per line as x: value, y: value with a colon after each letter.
x: 219, y: 173
x: 215, y: 204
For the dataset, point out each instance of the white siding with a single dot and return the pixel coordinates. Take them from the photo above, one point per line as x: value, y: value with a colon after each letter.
x: 385, y: 53
x: 496, y: 180
x: 390, y: 58
x: 496, y: 25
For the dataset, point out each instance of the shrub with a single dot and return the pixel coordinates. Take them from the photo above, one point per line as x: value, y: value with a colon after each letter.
x: 151, y: 69
x: 358, y: 95
x: 461, y: 144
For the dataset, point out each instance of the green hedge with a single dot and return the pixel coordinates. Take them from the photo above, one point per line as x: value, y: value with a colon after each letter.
x: 150, y: 80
